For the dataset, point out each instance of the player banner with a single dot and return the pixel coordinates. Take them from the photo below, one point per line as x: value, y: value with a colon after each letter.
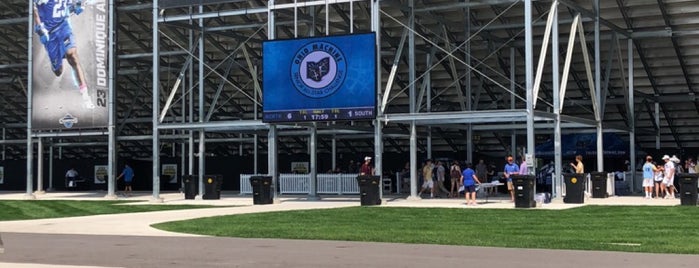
x: 70, y: 64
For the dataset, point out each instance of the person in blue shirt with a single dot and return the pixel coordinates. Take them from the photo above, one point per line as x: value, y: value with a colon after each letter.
x: 510, y: 169
x: 469, y: 180
x: 52, y: 25
x: 128, y: 175
x: 649, y: 171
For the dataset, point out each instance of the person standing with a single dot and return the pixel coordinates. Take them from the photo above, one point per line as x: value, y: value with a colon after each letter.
x: 441, y: 172
x: 659, y: 180
x: 455, y: 174
x: 649, y: 171
x: 482, y: 170
x: 523, y: 168
x: 469, y: 180
x: 366, y: 168
x: 578, y: 166
x: 690, y: 166
x: 71, y: 176
x: 669, y: 179
x: 427, y: 177
x: 510, y: 169
x: 678, y: 169
x: 352, y: 167
x: 128, y: 175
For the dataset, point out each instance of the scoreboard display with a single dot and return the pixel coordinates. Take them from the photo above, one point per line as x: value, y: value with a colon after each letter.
x: 319, y: 79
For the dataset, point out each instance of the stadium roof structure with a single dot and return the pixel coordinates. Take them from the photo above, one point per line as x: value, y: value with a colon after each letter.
x: 460, y: 63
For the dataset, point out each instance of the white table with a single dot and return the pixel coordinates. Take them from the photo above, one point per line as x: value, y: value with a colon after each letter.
x: 489, y: 185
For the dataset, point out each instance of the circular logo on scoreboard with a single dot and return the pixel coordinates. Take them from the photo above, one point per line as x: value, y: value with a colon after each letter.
x: 318, y: 69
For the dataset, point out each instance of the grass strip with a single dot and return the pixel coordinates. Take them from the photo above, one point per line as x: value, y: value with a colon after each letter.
x: 610, y: 228
x: 43, y: 209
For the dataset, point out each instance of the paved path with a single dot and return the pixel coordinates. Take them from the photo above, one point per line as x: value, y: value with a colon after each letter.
x: 127, y: 240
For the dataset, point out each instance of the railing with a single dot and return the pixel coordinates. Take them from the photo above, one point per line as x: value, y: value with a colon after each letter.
x: 301, y: 183
x: 338, y: 184
x: 245, y: 187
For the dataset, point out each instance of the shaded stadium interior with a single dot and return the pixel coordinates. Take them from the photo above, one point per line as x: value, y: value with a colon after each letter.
x: 460, y: 63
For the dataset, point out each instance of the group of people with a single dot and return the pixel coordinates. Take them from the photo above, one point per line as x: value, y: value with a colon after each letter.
x: 127, y: 173
x: 464, y: 178
x: 659, y: 179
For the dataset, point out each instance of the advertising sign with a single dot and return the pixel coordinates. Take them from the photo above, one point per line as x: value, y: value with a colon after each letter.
x: 70, y: 64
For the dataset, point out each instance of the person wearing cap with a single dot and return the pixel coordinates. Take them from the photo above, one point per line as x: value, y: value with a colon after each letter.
x: 669, y: 180
x: 366, y: 168
x: 510, y: 169
x: 648, y: 173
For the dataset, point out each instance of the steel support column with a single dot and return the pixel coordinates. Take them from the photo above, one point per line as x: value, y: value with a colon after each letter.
x: 557, y: 180
x: 111, y: 110
x: 632, y: 115
x: 202, y: 134
x: 30, y: 145
x: 156, y: 104
x: 313, y: 144
x: 378, y: 127
x: 412, y: 98
x: 529, y: 66
x: 598, y: 89
x: 40, y: 167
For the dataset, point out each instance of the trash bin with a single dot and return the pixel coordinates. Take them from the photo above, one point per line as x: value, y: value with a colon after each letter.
x: 369, y: 190
x: 191, y: 186
x: 575, y: 188
x: 524, y: 190
x: 599, y: 184
x: 261, y: 190
x: 212, y: 186
x: 688, y: 188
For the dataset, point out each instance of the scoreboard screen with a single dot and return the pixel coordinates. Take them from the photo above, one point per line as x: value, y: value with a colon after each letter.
x: 325, y: 78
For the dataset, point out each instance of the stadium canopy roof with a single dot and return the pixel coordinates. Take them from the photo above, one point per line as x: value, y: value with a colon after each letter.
x: 468, y: 58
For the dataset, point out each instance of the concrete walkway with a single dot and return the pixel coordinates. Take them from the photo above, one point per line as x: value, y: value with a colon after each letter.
x: 127, y: 240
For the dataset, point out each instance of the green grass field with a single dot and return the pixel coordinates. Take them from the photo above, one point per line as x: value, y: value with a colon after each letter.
x: 613, y: 228
x: 41, y: 209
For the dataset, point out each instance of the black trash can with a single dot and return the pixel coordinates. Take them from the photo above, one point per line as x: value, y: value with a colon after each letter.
x: 599, y: 184
x: 369, y: 190
x: 212, y: 186
x: 524, y: 190
x: 688, y: 188
x: 261, y: 190
x: 191, y: 186
x: 575, y: 188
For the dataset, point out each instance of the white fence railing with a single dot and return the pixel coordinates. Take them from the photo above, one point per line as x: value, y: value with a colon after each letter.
x: 290, y: 183
x: 245, y: 187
